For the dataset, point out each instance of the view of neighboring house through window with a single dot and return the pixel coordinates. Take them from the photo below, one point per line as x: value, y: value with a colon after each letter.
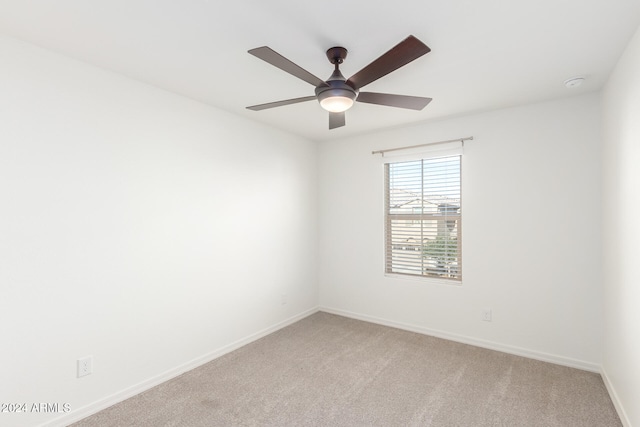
x: 422, y: 218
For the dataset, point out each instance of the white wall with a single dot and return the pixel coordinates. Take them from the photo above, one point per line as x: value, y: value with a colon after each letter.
x: 531, y: 233
x: 137, y: 226
x: 621, y: 233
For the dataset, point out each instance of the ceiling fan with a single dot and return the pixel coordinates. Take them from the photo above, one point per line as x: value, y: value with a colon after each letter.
x: 337, y: 94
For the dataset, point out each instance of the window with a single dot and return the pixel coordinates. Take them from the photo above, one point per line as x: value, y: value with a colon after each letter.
x: 423, y: 218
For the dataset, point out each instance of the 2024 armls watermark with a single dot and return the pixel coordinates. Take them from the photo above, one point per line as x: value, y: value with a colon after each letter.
x: 29, y: 408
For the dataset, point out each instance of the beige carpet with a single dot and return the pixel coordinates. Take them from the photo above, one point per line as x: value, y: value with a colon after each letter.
x: 328, y: 370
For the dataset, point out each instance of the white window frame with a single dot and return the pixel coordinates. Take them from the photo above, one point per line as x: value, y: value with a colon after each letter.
x: 388, y: 217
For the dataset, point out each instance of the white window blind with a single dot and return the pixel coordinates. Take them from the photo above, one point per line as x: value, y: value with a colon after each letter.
x: 423, y: 218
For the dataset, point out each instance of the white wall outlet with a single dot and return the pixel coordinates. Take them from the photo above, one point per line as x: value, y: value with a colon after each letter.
x: 85, y: 366
x: 283, y: 298
x: 486, y: 314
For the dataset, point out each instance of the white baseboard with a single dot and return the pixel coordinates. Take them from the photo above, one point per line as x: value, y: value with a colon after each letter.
x: 99, y: 405
x: 531, y: 354
x: 614, y: 398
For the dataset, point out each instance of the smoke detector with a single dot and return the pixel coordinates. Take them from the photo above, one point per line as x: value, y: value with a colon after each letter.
x: 574, y: 82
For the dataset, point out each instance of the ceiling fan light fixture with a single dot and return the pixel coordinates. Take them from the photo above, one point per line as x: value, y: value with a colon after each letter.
x: 336, y: 104
x: 336, y: 99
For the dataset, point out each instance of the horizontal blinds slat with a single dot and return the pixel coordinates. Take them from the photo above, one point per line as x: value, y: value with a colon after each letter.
x: 421, y: 217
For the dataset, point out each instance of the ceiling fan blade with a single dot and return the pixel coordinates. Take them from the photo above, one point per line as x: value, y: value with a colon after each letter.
x: 274, y: 58
x: 281, y: 103
x: 400, y: 101
x: 401, y: 54
x: 336, y: 120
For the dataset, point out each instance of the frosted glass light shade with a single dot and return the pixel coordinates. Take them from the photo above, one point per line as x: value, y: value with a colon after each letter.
x: 336, y: 104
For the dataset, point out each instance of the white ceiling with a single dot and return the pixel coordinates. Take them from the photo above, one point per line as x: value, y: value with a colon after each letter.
x: 486, y: 54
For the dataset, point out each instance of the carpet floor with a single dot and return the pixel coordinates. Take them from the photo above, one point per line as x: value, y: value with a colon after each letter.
x: 328, y: 370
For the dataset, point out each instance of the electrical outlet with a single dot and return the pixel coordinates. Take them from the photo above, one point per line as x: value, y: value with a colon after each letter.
x: 283, y: 298
x: 486, y: 314
x: 85, y: 366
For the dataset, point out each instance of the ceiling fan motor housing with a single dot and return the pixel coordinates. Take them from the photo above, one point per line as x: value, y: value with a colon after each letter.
x: 335, y: 88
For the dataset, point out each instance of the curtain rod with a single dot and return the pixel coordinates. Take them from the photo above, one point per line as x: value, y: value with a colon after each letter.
x: 468, y: 138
